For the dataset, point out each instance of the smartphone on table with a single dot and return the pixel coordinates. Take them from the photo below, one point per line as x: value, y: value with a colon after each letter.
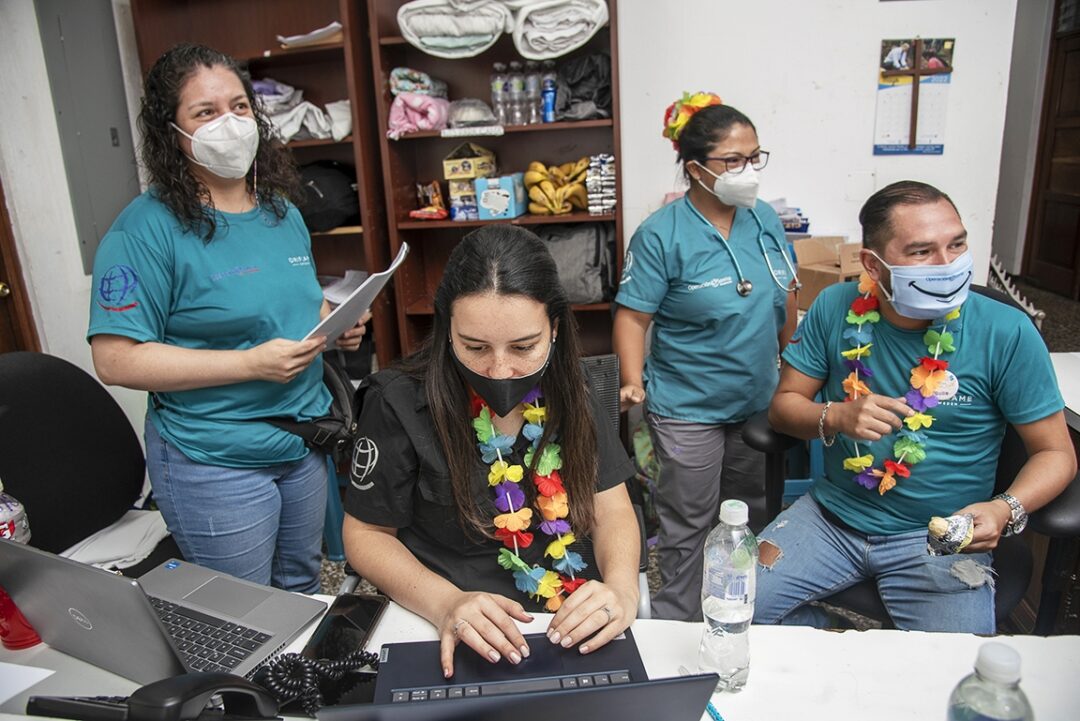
x: 347, y: 626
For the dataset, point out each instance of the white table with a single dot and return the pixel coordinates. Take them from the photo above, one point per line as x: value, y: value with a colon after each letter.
x: 1067, y: 368
x: 795, y: 673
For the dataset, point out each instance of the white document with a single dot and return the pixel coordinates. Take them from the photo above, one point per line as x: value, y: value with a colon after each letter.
x: 14, y: 678
x: 347, y: 314
x: 338, y: 290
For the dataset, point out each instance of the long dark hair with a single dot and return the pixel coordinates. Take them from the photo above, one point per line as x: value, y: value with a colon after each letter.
x: 170, y: 175
x: 509, y: 260
x: 706, y: 128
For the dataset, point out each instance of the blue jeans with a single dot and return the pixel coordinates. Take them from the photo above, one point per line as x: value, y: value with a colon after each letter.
x: 261, y: 524
x: 921, y: 592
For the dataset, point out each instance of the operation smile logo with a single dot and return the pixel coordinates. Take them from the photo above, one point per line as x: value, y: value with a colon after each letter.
x: 116, y: 288
x: 941, y: 297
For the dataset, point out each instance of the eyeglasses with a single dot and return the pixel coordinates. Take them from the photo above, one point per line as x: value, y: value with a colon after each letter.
x: 737, y: 163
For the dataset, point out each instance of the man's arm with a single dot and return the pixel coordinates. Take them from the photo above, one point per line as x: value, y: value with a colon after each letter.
x: 1050, y: 466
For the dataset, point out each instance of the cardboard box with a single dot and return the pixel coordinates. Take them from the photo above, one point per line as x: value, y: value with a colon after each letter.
x: 463, y: 207
x: 824, y: 260
x: 502, y: 197
x: 461, y: 188
x: 468, y: 161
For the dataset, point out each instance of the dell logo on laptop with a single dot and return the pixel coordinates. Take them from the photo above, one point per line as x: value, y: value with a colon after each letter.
x: 81, y: 619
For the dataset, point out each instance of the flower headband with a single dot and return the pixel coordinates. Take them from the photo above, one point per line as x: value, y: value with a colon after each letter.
x: 678, y: 114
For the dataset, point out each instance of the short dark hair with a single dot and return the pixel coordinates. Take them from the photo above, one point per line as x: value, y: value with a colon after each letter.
x: 508, y: 260
x: 876, y: 214
x: 706, y: 128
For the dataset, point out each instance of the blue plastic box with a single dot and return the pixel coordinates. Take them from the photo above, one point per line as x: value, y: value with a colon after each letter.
x: 501, y: 197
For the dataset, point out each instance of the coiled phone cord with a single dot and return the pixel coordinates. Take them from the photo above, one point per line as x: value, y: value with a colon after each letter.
x: 292, y: 677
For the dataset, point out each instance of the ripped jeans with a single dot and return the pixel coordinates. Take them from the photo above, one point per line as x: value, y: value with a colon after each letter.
x: 817, y: 559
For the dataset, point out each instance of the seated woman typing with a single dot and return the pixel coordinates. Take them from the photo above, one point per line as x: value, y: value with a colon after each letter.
x: 482, y: 464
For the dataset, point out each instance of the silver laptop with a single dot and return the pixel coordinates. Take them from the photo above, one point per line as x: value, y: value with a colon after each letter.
x: 179, y: 617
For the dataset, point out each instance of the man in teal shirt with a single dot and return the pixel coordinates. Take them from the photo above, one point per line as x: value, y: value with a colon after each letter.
x: 918, y: 379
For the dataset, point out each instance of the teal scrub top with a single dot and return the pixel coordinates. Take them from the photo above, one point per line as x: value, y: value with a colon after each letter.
x: 1003, y: 373
x: 714, y: 352
x: 253, y: 282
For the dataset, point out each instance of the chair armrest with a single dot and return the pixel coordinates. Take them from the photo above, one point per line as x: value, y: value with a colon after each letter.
x: 759, y: 435
x: 1060, y: 518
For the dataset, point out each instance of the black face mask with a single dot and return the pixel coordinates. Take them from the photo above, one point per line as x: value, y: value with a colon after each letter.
x: 501, y: 394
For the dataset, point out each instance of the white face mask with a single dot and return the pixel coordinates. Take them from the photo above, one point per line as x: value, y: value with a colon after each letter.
x: 225, y: 146
x: 738, y: 189
x: 927, y: 292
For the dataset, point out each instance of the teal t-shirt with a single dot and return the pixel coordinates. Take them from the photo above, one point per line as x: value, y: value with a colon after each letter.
x: 255, y: 281
x: 1003, y: 375
x: 713, y: 355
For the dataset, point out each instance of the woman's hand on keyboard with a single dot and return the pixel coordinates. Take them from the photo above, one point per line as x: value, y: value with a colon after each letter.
x: 485, y: 623
x: 595, y: 608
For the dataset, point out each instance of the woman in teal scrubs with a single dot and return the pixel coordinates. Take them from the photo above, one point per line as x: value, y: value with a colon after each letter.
x: 710, y: 274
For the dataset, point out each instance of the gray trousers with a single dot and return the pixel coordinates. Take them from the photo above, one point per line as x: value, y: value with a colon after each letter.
x: 700, y: 466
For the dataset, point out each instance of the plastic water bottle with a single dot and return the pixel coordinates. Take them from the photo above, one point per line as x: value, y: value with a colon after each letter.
x: 13, y: 522
x: 549, y: 83
x: 499, y: 89
x: 518, y: 113
x: 727, y: 597
x: 993, y: 692
x: 532, y: 91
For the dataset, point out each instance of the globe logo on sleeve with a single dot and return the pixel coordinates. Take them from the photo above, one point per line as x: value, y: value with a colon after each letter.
x: 117, y: 286
x: 365, y: 457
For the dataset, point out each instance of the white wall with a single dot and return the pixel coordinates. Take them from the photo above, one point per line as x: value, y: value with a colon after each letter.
x: 806, y: 74
x: 36, y: 190
x: 1027, y: 81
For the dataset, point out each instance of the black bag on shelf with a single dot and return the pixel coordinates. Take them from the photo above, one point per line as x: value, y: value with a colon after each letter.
x: 584, y: 88
x: 584, y: 254
x: 330, y: 198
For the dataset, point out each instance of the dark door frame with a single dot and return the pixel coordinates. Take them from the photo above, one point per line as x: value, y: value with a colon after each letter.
x: 22, y: 317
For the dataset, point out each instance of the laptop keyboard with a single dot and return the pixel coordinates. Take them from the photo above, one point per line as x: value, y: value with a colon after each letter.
x: 207, y: 643
x: 500, y: 688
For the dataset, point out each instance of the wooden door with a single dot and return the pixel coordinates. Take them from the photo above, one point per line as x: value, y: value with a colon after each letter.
x: 16, y: 325
x: 1052, y: 258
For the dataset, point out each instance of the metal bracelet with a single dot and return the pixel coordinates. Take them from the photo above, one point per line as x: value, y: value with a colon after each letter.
x: 825, y: 441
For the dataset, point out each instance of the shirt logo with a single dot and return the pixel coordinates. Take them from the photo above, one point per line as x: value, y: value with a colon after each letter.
x: 298, y: 261
x: 626, y: 268
x: 714, y: 283
x: 238, y: 270
x: 364, y: 459
x: 117, y: 286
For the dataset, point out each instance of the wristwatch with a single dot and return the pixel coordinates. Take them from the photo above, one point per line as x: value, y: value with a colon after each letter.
x: 1019, y: 518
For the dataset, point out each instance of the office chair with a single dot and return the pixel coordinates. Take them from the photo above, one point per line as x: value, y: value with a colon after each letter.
x: 1013, y: 563
x: 68, y: 453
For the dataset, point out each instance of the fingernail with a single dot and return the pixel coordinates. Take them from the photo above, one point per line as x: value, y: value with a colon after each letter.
x: 567, y: 642
x: 446, y: 673
x: 514, y: 658
x: 494, y: 656
x: 524, y: 650
x: 584, y: 649
x: 554, y: 637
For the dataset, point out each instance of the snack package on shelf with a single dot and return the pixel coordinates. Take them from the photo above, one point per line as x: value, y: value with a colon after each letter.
x: 600, y: 184
x: 430, y: 201
x: 556, y: 189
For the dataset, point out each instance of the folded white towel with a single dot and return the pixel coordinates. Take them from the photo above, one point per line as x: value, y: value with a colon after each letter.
x: 551, y: 28
x: 340, y: 113
x: 125, y: 543
x: 305, y: 116
x: 453, y: 28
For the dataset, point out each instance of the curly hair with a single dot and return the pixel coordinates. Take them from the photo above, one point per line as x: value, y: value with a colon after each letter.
x: 173, y: 182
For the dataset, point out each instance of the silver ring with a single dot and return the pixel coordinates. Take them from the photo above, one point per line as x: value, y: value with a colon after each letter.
x: 610, y: 615
x: 457, y: 627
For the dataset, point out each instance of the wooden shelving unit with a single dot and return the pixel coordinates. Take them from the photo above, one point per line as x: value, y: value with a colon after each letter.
x: 247, y: 30
x: 417, y: 157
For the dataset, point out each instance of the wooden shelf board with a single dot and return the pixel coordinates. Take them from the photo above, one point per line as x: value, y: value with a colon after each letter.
x: 340, y: 230
x: 520, y: 220
x: 308, y: 51
x: 311, y: 142
x: 507, y: 129
x: 393, y: 40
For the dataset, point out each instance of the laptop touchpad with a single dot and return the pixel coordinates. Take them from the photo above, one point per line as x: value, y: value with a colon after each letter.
x: 227, y: 597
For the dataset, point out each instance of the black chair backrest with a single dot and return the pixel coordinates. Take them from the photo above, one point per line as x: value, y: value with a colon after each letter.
x: 602, y: 372
x: 67, y: 451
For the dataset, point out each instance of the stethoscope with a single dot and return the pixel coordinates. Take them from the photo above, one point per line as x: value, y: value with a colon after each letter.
x: 744, y: 287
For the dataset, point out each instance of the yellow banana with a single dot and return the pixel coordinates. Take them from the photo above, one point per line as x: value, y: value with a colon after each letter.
x: 557, y: 176
x: 537, y: 195
x: 532, y: 177
x: 547, y: 187
x: 578, y: 196
x: 567, y: 168
x: 581, y: 166
x: 538, y: 167
x: 538, y: 209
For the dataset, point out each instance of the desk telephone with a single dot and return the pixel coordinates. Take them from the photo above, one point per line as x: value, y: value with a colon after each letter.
x: 173, y: 699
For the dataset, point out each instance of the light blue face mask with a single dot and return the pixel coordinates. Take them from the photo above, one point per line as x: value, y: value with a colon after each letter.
x: 926, y: 292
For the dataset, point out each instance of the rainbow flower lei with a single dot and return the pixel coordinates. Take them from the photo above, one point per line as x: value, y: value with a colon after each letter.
x: 512, y: 525
x: 926, y: 376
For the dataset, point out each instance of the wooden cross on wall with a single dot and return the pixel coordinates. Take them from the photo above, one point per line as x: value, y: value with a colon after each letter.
x: 915, y: 72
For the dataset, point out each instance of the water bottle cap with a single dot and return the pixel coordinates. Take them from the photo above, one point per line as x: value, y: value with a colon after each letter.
x: 998, y: 662
x: 734, y: 512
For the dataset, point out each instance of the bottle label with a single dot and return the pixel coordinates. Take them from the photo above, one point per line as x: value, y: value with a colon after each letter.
x: 729, y: 585
x: 7, y: 529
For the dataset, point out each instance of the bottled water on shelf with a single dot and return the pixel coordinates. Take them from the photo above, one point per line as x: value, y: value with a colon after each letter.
x: 532, y: 91
x: 500, y: 101
x: 727, y: 597
x: 992, y: 692
x: 548, y: 88
x: 518, y: 111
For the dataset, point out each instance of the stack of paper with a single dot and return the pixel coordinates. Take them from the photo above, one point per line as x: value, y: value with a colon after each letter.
x: 332, y: 33
x: 336, y: 290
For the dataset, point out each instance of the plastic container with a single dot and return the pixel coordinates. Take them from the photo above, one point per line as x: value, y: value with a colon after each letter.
x: 549, y: 84
x: 13, y: 521
x: 727, y: 597
x: 992, y: 692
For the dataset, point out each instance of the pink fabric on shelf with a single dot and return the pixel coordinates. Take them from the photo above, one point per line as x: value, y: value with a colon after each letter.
x: 411, y: 112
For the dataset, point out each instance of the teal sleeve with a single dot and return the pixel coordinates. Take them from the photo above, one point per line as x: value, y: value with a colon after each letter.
x: 808, y: 349
x: 644, y: 281
x: 132, y: 289
x: 1025, y: 386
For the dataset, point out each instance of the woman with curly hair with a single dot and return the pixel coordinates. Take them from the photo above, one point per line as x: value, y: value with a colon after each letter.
x: 710, y: 274
x: 201, y: 287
